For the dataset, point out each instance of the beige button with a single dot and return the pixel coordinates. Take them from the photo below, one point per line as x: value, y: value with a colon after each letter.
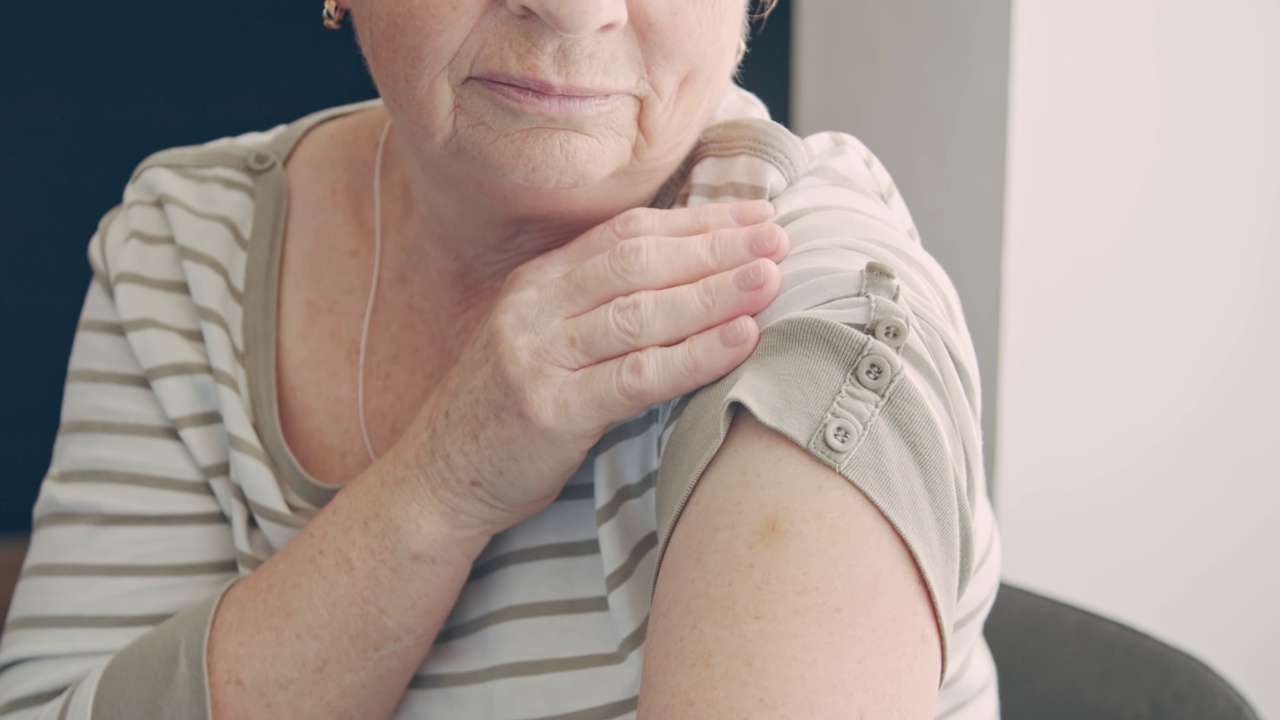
x: 891, y: 332
x: 839, y: 435
x: 881, y: 269
x: 873, y: 372
x: 261, y: 162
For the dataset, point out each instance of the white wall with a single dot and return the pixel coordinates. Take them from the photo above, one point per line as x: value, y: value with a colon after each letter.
x: 1139, y: 419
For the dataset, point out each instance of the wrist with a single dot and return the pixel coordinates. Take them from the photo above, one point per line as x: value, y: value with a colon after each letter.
x: 434, y: 518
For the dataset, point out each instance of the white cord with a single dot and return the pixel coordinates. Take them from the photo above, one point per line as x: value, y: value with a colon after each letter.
x: 373, y: 286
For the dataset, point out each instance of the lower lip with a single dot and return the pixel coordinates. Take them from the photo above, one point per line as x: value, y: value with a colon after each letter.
x: 549, y: 104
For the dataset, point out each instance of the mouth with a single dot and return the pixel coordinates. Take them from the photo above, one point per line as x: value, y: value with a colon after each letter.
x: 547, y: 97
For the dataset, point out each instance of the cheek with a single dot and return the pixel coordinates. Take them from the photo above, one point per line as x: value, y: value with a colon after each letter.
x: 690, y: 53
x: 410, y: 44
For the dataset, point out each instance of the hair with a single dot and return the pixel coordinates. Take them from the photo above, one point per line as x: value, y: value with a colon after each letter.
x: 763, y: 8
x: 757, y: 12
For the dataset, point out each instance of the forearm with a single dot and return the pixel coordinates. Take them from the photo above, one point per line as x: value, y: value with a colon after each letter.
x: 336, y: 623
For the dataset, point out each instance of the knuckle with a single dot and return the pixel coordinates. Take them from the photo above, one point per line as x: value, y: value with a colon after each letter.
x: 626, y: 317
x: 632, y: 223
x: 721, y: 247
x: 636, y: 374
x: 628, y: 260
x: 692, y: 363
x: 702, y: 297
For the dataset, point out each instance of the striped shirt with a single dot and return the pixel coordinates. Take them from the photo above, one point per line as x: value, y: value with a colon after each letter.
x: 171, y: 476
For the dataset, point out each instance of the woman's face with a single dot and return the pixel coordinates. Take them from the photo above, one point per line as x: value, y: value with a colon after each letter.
x: 551, y: 93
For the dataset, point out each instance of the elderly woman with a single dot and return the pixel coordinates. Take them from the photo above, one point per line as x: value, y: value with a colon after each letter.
x: 558, y: 382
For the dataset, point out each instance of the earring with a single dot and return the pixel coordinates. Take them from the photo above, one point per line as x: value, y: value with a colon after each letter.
x: 333, y: 14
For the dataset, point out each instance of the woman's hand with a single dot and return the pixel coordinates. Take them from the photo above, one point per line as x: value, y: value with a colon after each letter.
x: 642, y: 309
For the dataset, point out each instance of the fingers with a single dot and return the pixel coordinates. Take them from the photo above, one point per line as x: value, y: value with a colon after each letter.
x: 654, y: 263
x: 627, y: 385
x: 641, y: 222
x: 666, y: 317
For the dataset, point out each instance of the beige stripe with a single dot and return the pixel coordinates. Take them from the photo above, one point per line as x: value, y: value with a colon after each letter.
x: 247, y: 561
x: 623, y: 573
x: 839, y: 179
x: 103, y: 427
x: 159, y: 372
x: 226, y: 380
x: 104, y: 284
x: 148, y: 238
x: 279, y: 518
x: 676, y: 411
x: 221, y: 377
x: 986, y: 685
x: 600, y: 712
x: 204, y: 419
x: 227, y: 183
x: 977, y: 610
x: 530, y: 668
x: 958, y: 674
x: 626, y: 431
x: 626, y: 493
x: 165, y: 199
x: 132, y: 278
x: 244, y: 447
x: 30, y: 701
x: 577, y: 491
x: 195, y: 487
x: 551, y: 608
x: 100, y: 326
x: 192, y: 335
x: 794, y: 215
x: 553, y: 551
x: 66, y: 700
x: 199, y: 258
x: 102, y: 520
x: 107, y: 378
x: 216, y: 470
x: 213, y: 317
x: 68, y: 622
x: 88, y: 570
x: 747, y: 191
x: 100, y: 239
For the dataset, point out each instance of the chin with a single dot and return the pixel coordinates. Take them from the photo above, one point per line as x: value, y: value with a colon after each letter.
x: 551, y: 158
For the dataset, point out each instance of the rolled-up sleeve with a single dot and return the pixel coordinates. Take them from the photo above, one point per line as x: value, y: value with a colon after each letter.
x: 864, y: 360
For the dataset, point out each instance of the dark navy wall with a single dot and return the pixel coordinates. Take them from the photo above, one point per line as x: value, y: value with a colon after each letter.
x: 91, y: 89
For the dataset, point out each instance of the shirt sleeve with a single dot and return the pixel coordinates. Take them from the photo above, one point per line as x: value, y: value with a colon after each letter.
x: 864, y: 360
x: 130, y: 550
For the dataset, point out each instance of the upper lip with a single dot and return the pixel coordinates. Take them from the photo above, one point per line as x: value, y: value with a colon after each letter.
x: 547, y: 87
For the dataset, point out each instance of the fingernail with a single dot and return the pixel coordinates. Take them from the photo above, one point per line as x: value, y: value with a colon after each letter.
x: 749, y: 277
x: 734, y: 334
x: 750, y: 213
x: 762, y: 240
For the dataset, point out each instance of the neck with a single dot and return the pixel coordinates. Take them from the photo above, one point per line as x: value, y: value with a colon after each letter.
x: 466, y: 232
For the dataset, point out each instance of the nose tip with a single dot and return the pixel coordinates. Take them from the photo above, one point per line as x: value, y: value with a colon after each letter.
x: 575, y: 18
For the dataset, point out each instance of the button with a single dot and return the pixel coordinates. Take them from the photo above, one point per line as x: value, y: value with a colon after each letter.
x: 261, y: 162
x: 881, y: 269
x: 839, y: 435
x: 873, y: 372
x: 891, y: 332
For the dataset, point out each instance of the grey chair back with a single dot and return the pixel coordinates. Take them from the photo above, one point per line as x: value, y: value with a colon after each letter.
x: 1058, y: 662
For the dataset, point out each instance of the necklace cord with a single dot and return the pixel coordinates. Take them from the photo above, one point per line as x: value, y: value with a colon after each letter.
x: 373, y: 288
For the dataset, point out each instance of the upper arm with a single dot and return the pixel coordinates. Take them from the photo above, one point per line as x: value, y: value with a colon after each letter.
x: 785, y: 593
x: 866, y: 381
x: 127, y: 532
